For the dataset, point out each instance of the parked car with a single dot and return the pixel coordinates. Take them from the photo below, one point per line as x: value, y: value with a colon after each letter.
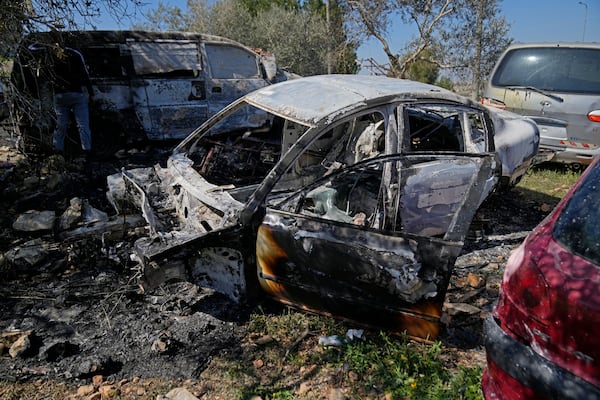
x: 558, y: 86
x: 343, y: 194
x: 542, y: 341
x: 147, y: 85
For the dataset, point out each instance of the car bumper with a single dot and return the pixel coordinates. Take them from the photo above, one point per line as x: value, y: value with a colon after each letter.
x: 533, y: 372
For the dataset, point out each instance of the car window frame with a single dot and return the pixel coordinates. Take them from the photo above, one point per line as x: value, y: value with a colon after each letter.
x: 470, y: 144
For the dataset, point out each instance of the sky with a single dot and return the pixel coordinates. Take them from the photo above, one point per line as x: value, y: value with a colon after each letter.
x: 530, y: 21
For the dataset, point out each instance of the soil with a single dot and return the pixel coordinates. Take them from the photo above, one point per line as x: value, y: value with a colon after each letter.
x: 78, y: 309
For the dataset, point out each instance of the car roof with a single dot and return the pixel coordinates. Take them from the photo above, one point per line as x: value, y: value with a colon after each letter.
x: 581, y: 45
x: 100, y: 37
x: 311, y: 99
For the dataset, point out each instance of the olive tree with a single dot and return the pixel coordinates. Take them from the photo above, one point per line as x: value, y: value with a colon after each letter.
x: 474, y: 41
x: 300, y: 35
x: 463, y: 36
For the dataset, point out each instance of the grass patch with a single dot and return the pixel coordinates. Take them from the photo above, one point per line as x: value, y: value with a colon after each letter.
x: 404, y: 369
x: 378, y: 366
x: 553, y: 180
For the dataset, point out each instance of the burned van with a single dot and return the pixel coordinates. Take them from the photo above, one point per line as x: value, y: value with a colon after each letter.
x: 147, y: 85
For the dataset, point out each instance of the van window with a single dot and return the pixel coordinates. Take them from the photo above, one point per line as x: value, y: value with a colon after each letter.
x: 230, y: 62
x: 104, y: 62
x: 171, y: 58
x: 559, y: 69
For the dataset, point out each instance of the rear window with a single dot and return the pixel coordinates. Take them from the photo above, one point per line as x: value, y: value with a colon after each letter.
x: 559, y: 69
x: 578, y: 227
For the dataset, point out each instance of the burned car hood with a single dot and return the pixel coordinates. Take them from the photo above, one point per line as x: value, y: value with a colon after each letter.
x: 177, y: 203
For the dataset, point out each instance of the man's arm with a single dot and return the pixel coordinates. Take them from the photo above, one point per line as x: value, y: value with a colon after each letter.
x: 85, y: 76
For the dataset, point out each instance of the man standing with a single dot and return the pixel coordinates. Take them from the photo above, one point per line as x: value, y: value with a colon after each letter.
x: 70, y: 77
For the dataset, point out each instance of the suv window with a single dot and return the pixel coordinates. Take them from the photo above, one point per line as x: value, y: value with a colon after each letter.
x: 568, y: 70
x: 577, y: 228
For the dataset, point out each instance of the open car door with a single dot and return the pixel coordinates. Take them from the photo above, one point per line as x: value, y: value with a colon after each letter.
x: 375, y: 242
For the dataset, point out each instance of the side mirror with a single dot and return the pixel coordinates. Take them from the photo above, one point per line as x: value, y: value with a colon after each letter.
x: 270, y: 66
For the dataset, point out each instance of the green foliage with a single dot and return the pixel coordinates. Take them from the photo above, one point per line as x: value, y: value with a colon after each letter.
x: 445, y: 82
x: 296, y: 32
x: 422, y: 69
x: 374, y: 366
x: 466, y: 384
x: 256, y: 6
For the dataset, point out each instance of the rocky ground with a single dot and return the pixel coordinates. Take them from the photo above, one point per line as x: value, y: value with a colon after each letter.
x: 71, y: 311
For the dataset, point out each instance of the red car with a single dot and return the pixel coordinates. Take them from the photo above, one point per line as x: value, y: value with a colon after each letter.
x: 543, y: 339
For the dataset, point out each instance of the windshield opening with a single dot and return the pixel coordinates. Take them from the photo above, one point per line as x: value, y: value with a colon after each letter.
x: 241, y: 148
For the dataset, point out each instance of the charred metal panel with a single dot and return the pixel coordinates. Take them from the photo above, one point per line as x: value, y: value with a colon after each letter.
x: 221, y: 269
x: 517, y: 141
x: 216, y: 261
x: 171, y: 99
x: 164, y: 57
x: 346, y: 248
x: 394, y: 282
x: 232, y: 73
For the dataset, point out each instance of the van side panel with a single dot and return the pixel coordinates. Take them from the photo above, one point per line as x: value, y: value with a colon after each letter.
x: 169, y: 93
x: 148, y: 85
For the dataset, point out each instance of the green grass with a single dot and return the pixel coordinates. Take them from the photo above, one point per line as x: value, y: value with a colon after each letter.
x: 376, y: 366
x: 404, y: 369
x: 548, y: 180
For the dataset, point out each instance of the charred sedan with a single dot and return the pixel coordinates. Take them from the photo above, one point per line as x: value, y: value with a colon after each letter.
x: 542, y: 341
x: 345, y: 195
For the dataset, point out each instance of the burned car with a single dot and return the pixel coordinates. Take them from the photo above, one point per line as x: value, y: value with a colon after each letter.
x: 542, y: 339
x: 346, y: 195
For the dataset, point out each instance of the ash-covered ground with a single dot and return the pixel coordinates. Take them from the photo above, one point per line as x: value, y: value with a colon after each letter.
x: 75, y: 310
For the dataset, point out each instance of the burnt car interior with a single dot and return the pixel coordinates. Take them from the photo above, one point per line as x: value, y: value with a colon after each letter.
x: 243, y: 155
x: 238, y: 155
x: 398, y: 197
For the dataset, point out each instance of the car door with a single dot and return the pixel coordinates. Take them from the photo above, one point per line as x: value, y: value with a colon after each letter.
x: 343, y: 245
x: 169, y: 87
x: 447, y: 128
